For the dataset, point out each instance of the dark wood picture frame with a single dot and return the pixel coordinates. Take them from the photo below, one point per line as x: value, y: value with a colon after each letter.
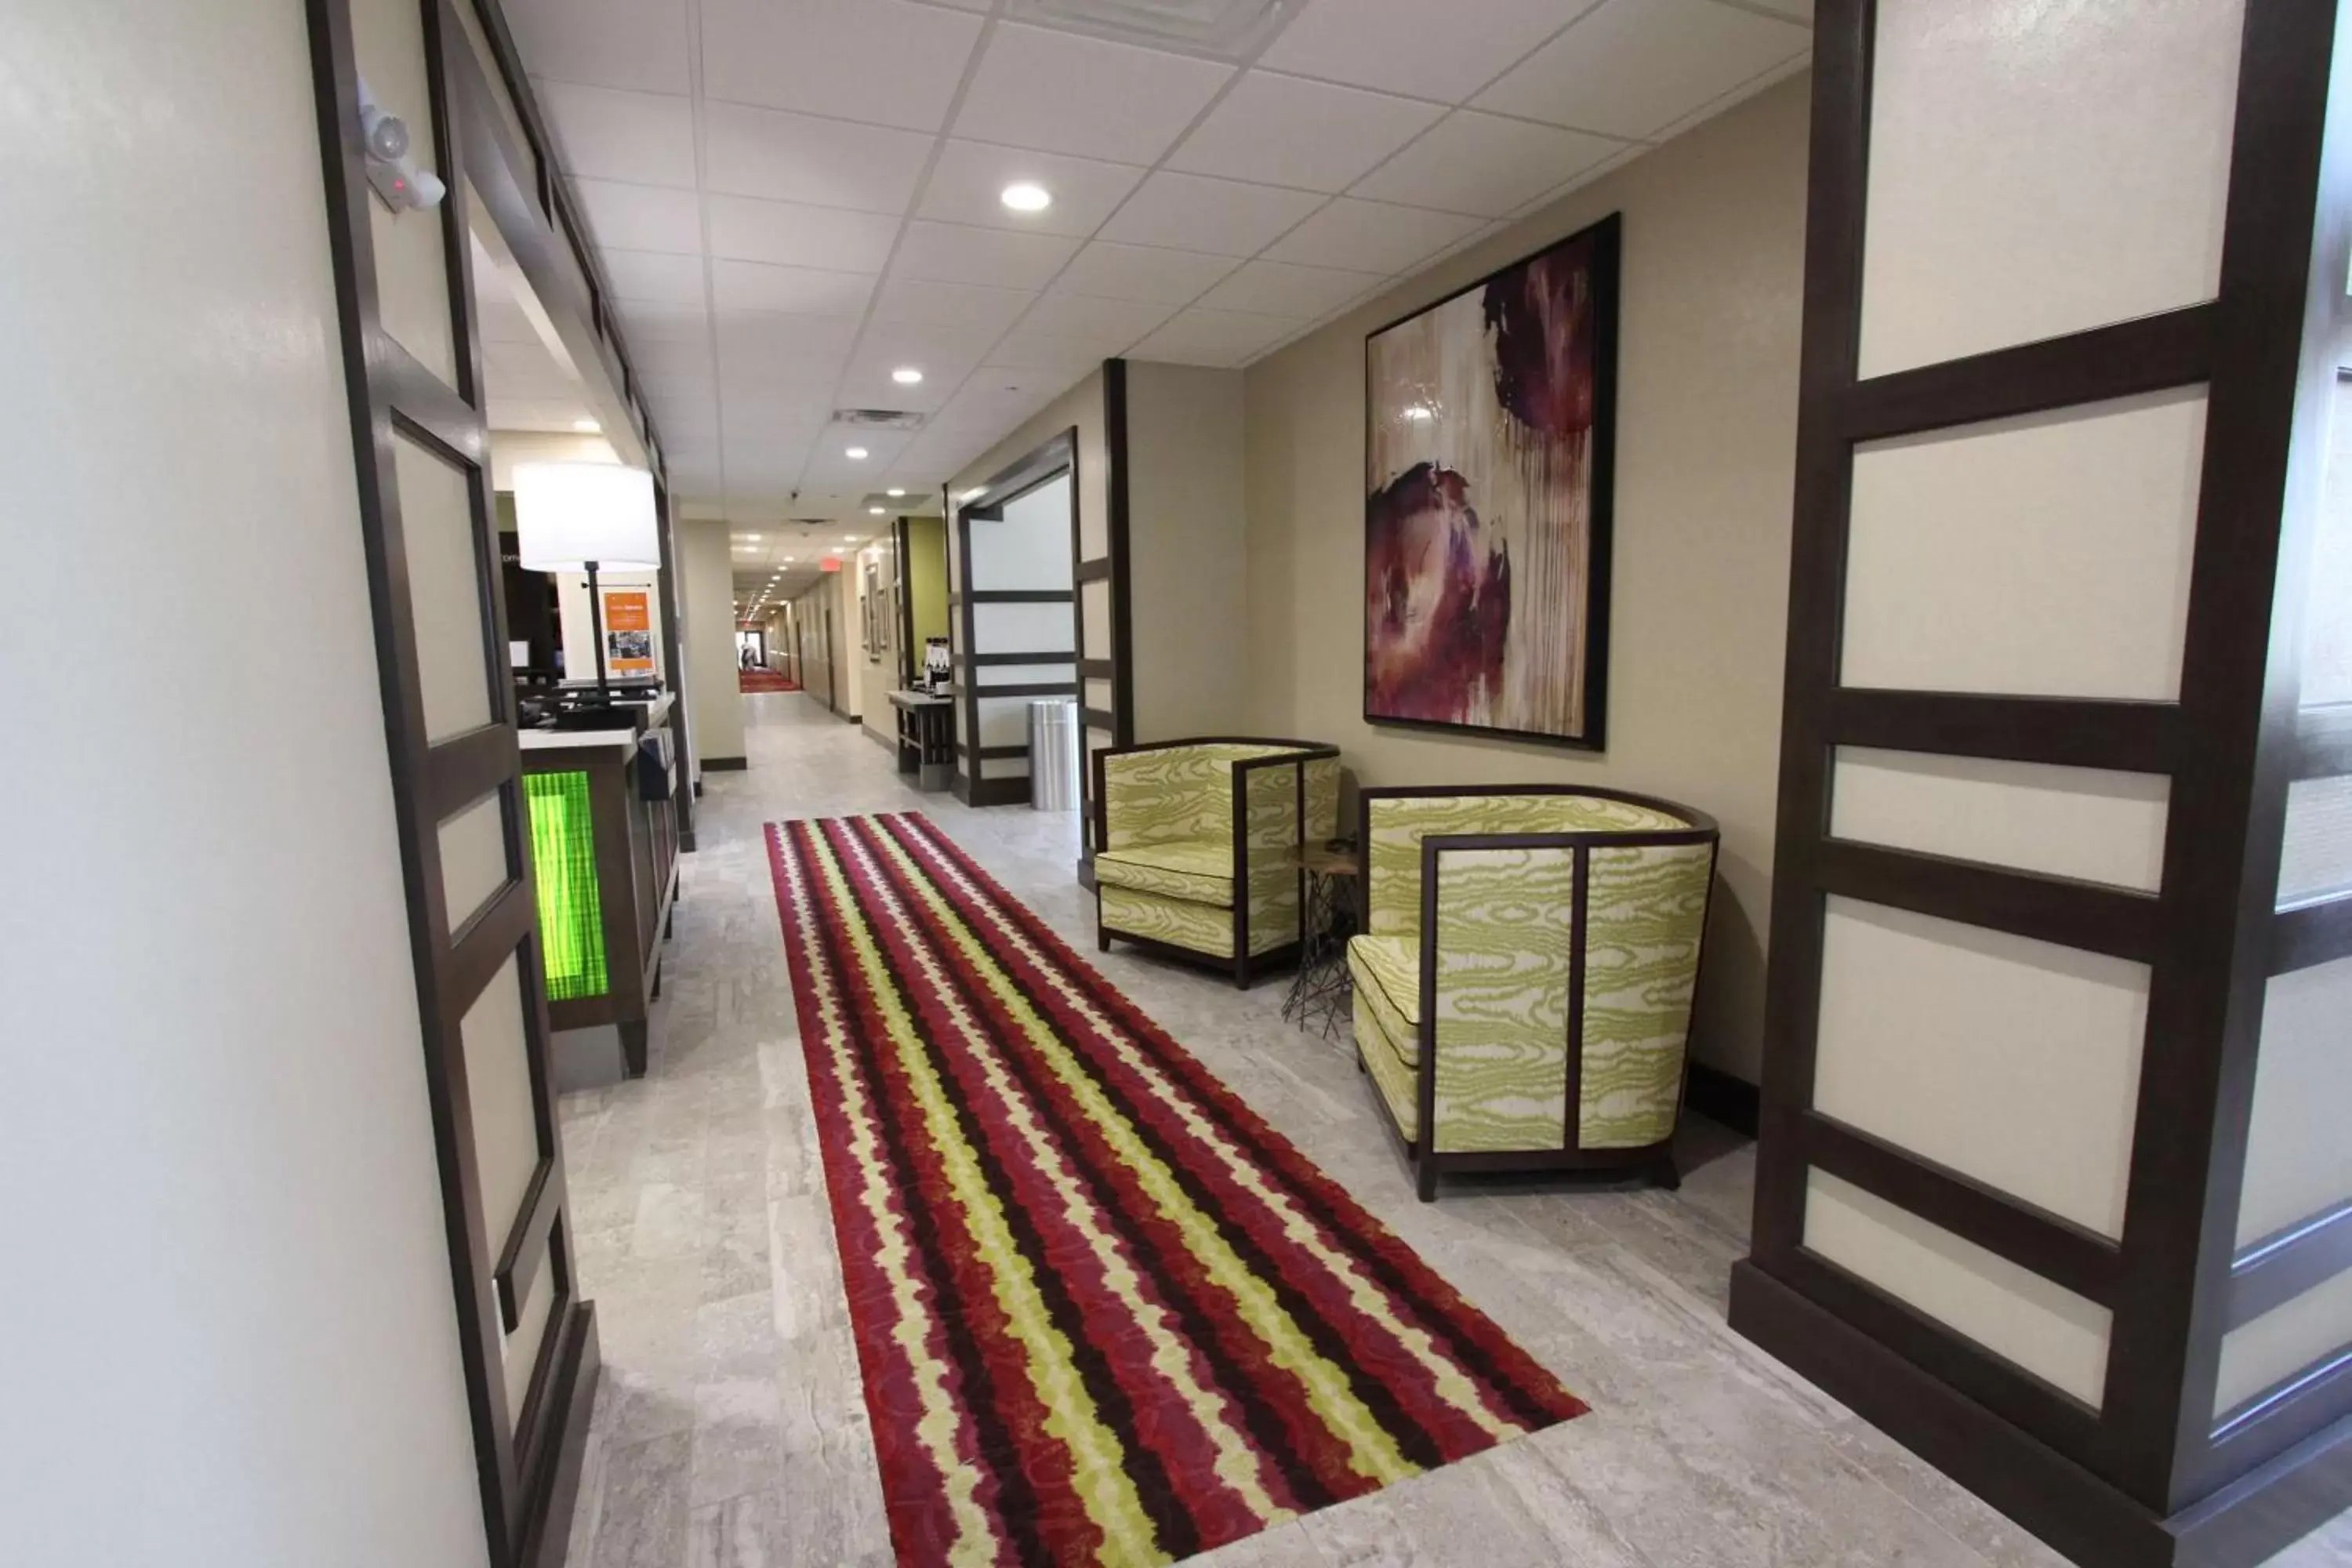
x: 1606, y: 239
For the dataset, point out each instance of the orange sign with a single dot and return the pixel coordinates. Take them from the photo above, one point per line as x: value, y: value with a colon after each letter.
x: 628, y: 632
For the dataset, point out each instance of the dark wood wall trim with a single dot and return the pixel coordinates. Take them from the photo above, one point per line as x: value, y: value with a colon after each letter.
x: 982, y: 660
x: 2136, y: 737
x: 2121, y: 1482
x: 2277, y: 1268
x: 2312, y: 934
x: 1049, y: 460
x: 1018, y: 596
x: 1122, y: 556
x: 527, y: 1460
x: 1022, y: 688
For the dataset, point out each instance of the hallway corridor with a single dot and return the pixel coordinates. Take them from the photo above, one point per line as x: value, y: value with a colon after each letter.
x: 732, y: 1432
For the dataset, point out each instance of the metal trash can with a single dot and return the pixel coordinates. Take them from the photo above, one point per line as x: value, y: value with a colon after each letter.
x: 1054, y: 755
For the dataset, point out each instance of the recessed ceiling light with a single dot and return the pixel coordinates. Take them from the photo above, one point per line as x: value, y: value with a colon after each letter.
x: 1025, y: 197
x: 586, y: 426
x: 874, y: 511
x: 906, y: 375
x: 752, y: 537
x: 894, y: 492
x: 1419, y: 411
x: 788, y: 559
x: 856, y: 454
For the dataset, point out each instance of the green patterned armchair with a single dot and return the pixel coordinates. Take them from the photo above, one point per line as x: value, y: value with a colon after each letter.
x: 1196, y: 845
x: 1522, y: 988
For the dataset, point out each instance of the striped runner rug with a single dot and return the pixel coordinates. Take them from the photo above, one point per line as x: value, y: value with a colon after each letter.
x: 1104, y: 1314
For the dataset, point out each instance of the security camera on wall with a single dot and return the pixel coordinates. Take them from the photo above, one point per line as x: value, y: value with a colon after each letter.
x: 391, y: 170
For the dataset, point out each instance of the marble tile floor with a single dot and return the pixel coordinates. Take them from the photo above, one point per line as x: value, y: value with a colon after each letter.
x: 730, y: 1429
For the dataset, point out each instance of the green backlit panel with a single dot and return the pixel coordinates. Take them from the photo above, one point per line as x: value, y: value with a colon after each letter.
x: 563, y: 859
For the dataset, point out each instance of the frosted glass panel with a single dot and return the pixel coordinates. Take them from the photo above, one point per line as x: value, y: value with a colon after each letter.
x: 2315, y: 859
x: 2084, y: 823
x: 1098, y: 696
x: 2012, y: 1060
x: 1094, y: 603
x: 2298, y: 1161
x: 2327, y: 601
x: 473, y: 858
x: 2290, y: 1338
x: 1025, y: 675
x: 412, y: 269
x: 497, y: 1085
x: 436, y: 519
x: 2036, y: 169
x: 1004, y: 721
x: 2013, y: 1312
x: 1022, y: 628
x: 2043, y: 556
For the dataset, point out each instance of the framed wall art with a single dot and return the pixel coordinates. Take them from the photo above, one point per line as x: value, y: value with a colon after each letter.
x: 1490, y: 447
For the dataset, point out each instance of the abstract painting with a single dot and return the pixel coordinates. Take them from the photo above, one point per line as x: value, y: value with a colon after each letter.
x: 1489, y: 441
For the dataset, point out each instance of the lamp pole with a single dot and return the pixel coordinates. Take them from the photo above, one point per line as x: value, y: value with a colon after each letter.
x: 596, y: 626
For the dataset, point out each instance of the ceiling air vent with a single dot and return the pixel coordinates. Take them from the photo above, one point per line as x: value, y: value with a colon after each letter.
x: 1221, y: 29
x: 879, y: 419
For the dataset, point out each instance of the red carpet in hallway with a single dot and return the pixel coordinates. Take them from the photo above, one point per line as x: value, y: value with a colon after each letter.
x: 766, y: 680
x: 1104, y: 1314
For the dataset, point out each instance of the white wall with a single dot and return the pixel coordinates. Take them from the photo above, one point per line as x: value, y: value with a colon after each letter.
x: 1187, y: 549
x: 1712, y: 295
x: 229, y: 1341
x: 707, y: 586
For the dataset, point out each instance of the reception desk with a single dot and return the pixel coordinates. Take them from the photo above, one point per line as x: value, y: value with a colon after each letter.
x: 605, y: 856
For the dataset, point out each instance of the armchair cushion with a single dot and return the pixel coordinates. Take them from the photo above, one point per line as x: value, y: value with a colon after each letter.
x: 1180, y: 869
x: 1387, y: 973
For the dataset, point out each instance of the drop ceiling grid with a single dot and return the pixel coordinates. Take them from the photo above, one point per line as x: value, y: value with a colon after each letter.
x: 1476, y: 116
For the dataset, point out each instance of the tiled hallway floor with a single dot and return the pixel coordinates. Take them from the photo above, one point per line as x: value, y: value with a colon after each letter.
x: 730, y: 1431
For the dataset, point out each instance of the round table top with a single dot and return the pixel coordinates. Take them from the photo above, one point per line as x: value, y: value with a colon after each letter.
x: 1324, y: 861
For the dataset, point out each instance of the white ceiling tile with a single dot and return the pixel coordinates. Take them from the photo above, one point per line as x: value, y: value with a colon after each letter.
x: 1286, y: 130
x: 971, y: 176
x: 1026, y: 349
x: 645, y: 137
x: 868, y: 384
x: 1068, y: 94
x: 1146, y: 272
x: 744, y: 228
x: 605, y: 43
x: 647, y: 324
x: 1633, y: 65
x: 526, y: 370
x: 883, y: 61
x: 1194, y: 212
x: 675, y: 361
x: 1480, y: 165
x: 801, y: 158
x: 755, y: 285
x: 657, y: 280
x: 1000, y: 257
x: 1114, y: 323
x: 764, y: 351
x: 944, y: 353
x: 1373, y: 235
x: 641, y: 217
x: 919, y: 301
x: 1795, y: 10
x: 1400, y: 46
x: 1283, y: 289
x: 1212, y: 337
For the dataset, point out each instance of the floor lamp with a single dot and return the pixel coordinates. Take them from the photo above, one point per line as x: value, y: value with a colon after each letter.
x: 586, y: 516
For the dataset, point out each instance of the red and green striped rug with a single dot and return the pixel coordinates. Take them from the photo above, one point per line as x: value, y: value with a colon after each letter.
x: 1106, y: 1315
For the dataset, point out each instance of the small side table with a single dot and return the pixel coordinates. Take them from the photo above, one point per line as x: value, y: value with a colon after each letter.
x: 1321, y: 992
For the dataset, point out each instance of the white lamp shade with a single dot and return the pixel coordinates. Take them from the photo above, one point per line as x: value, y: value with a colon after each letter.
x: 568, y: 514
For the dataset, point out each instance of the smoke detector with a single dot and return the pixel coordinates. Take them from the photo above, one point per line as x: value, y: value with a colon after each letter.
x: 1221, y: 29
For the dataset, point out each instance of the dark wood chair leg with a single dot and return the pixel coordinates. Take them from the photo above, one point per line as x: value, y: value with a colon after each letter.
x: 634, y: 1039
x: 1424, y: 1173
x: 1242, y: 972
x: 1668, y: 1174
x: 1102, y: 940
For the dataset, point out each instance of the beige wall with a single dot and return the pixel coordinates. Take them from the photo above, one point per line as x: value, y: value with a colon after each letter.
x: 1713, y: 254
x: 834, y: 659
x: 707, y: 586
x: 877, y: 674
x: 230, y: 1340
x: 1186, y: 549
